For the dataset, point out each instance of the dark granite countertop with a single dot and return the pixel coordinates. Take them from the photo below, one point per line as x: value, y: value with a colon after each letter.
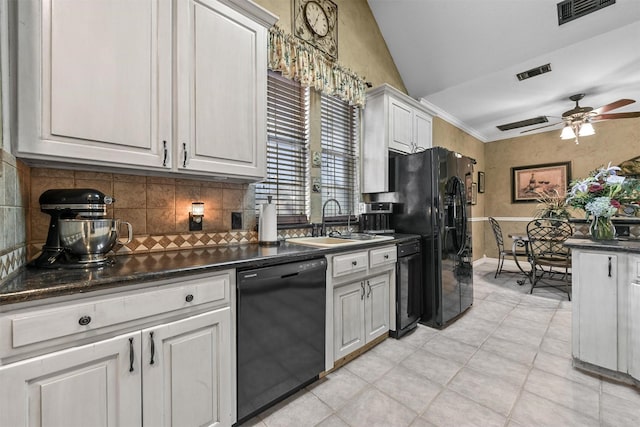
x: 619, y: 245
x: 630, y: 220
x: 37, y: 284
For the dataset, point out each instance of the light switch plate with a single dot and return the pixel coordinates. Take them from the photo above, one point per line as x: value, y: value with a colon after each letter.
x: 236, y: 220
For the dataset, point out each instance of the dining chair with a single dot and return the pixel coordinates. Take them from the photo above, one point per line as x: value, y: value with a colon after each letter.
x: 502, y: 253
x: 548, y: 253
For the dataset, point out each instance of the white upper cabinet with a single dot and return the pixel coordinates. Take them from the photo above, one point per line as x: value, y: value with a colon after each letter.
x: 94, y: 81
x: 222, y: 87
x: 146, y: 84
x: 395, y: 122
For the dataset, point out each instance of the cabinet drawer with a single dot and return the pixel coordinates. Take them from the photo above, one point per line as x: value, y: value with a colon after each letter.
x: 382, y: 256
x: 349, y: 263
x: 41, y: 325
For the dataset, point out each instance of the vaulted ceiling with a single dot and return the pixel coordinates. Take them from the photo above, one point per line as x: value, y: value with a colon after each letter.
x: 461, y: 57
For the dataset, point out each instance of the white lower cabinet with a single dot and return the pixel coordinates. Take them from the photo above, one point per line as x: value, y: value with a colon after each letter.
x: 348, y: 305
x: 361, y: 313
x: 186, y: 371
x: 606, y: 312
x: 376, y: 307
x: 92, y: 385
x: 634, y: 330
x: 182, y: 371
x: 598, y: 309
x: 162, y: 356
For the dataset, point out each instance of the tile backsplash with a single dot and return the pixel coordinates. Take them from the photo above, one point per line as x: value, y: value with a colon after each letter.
x: 14, y: 178
x: 157, y: 207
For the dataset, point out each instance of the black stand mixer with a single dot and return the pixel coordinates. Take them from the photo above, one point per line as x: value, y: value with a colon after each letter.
x: 82, y: 208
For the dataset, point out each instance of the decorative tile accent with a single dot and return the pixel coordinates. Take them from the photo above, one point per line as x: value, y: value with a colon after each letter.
x: 12, y: 261
x: 174, y: 242
x: 582, y: 230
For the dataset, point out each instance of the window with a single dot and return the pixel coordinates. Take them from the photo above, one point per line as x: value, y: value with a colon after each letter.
x: 287, y: 149
x: 340, y: 124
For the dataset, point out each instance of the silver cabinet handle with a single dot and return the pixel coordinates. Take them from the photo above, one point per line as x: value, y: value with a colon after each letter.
x: 361, y: 290
x: 609, y: 266
x: 369, y: 289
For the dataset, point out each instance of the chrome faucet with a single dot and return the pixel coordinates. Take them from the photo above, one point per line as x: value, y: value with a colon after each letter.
x: 324, y: 229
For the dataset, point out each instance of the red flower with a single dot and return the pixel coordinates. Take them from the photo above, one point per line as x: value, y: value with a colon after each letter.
x: 594, y: 188
x: 616, y: 204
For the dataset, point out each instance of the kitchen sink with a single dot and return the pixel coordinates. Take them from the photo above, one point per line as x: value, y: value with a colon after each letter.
x: 329, y: 242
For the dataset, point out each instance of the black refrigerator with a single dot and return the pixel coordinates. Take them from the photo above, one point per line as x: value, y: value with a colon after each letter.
x: 432, y: 189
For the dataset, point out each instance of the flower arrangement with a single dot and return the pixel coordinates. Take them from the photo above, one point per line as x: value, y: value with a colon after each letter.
x: 551, y: 205
x: 601, y: 194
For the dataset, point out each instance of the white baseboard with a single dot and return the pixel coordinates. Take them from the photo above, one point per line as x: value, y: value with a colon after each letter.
x: 509, y: 264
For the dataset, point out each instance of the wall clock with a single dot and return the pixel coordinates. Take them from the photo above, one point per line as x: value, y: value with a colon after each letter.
x: 316, y: 22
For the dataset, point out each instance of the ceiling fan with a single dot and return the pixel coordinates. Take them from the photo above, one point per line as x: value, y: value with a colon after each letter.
x: 577, y: 121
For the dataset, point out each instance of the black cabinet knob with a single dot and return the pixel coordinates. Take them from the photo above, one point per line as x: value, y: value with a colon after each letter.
x: 84, y: 320
x: 189, y: 298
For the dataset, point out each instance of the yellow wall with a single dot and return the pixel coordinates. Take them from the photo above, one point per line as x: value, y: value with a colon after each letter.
x: 448, y: 136
x: 615, y: 141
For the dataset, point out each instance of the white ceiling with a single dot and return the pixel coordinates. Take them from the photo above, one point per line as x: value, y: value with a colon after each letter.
x: 461, y: 58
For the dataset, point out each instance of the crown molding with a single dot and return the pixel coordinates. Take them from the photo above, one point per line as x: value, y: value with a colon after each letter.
x: 453, y: 120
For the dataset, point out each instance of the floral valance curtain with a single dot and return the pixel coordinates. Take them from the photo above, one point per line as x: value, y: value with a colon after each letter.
x: 302, y: 62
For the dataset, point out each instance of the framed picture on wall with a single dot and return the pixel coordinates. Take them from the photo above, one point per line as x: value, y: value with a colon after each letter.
x: 474, y: 193
x: 468, y: 180
x: 529, y: 182
x: 480, y: 182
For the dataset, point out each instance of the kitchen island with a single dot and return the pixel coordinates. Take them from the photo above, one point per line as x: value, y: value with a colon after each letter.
x: 606, y: 307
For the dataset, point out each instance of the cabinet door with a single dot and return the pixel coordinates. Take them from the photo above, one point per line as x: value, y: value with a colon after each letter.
x: 221, y: 81
x: 633, y: 310
x: 91, y: 385
x: 348, y: 319
x: 187, y: 371
x: 376, y: 307
x: 422, y: 130
x: 95, y: 81
x: 400, y: 126
x: 597, y: 309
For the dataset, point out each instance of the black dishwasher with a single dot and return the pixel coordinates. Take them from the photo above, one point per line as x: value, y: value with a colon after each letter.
x: 281, y: 313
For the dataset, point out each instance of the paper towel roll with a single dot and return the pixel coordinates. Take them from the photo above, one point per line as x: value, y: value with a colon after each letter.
x: 268, y: 224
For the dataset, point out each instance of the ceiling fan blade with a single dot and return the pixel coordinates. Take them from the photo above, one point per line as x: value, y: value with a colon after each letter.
x: 611, y: 116
x: 540, y: 127
x: 616, y: 104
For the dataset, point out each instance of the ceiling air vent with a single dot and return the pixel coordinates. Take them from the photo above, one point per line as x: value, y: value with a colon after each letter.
x: 523, y: 123
x: 569, y: 10
x: 534, y: 72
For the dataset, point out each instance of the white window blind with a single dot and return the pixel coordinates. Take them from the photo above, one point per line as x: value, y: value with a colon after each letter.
x: 287, y: 149
x: 340, y: 124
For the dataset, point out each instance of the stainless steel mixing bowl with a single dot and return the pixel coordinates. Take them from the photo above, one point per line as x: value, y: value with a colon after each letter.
x: 91, y: 239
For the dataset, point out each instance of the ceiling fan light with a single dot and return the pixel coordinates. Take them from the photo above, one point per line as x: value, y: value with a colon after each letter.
x: 586, y: 130
x: 567, y: 133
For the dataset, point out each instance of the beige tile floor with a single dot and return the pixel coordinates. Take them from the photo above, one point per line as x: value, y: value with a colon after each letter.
x: 506, y: 362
